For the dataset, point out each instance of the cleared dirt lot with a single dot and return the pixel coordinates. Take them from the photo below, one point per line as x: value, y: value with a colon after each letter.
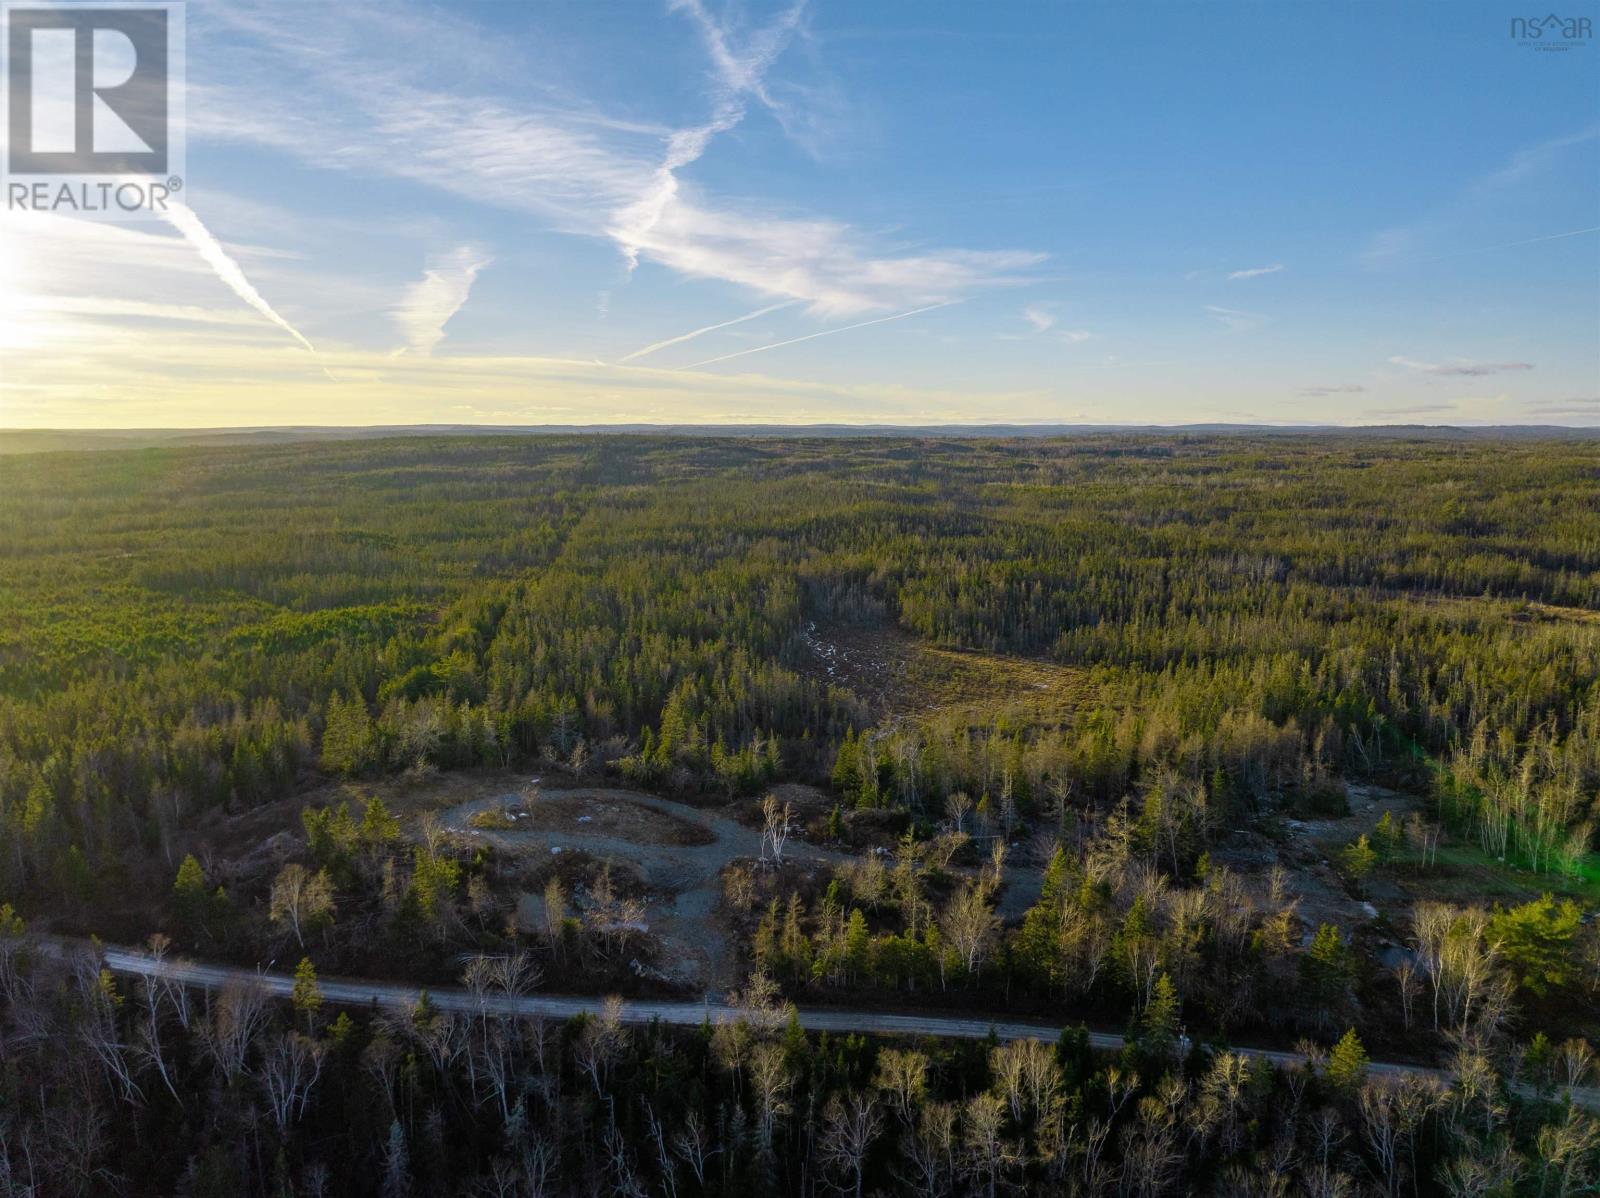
x: 669, y: 843
x: 593, y: 815
x: 675, y: 851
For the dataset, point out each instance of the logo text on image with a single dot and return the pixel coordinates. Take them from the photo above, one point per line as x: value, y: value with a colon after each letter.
x: 94, y: 103
x: 1551, y: 31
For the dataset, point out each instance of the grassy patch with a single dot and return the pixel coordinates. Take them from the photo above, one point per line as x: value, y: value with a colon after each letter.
x: 1464, y: 873
x: 937, y: 678
x: 1576, y: 615
x: 899, y: 674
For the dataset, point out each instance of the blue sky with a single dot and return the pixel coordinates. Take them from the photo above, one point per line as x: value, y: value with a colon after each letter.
x: 896, y: 213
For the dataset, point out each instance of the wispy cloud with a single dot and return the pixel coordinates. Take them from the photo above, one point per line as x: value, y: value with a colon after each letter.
x: 1509, y: 245
x: 1333, y: 389
x: 1461, y: 367
x: 582, y: 170
x: 825, y: 264
x: 824, y: 333
x: 710, y: 328
x: 428, y: 304
x: 118, y: 309
x: 175, y: 381
x: 1583, y: 406
x: 74, y: 281
x: 1413, y: 410
x: 1256, y: 271
x: 183, y: 218
x: 1532, y: 159
x: 1236, y: 320
x: 1453, y: 218
x: 737, y: 74
x: 1043, y: 322
x: 1039, y: 318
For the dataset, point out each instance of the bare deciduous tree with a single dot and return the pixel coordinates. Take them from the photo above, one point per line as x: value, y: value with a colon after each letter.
x: 777, y: 825
x: 301, y: 898
x: 1577, y: 1059
x: 98, y: 1031
x: 770, y: 1081
x: 1120, y: 1087
x: 903, y: 1077
x: 538, y: 1160
x: 739, y: 887
x: 989, y: 1156
x: 760, y: 1003
x: 1327, y: 1133
x: 555, y: 914
x: 941, y: 850
x: 1569, y: 1155
x: 381, y: 1059
x: 496, y: 1053
x: 692, y: 1144
x: 477, y: 978
x: 666, y: 1162
x: 290, y: 1066
x: 1151, y: 1156
x: 624, y: 1175
x: 600, y: 1043
x: 516, y: 974
x: 1405, y: 978
x: 930, y: 1151
x: 1482, y: 1172
x: 237, y: 1013
x: 442, y: 1037
x: 849, y: 1126
x: 969, y: 925
x: 957, y: 807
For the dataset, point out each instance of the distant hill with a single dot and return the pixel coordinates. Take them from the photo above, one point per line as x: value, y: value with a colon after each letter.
x: 46, y: 440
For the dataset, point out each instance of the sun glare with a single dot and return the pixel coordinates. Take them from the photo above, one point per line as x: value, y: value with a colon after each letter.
x: 19, y: 323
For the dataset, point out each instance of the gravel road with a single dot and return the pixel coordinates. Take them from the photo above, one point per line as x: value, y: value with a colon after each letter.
x: 352, y: 992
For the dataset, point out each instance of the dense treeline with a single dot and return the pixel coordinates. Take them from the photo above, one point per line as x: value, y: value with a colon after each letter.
x: 182, y: 632
x: 140, y: 1086
x: 1133, y: 914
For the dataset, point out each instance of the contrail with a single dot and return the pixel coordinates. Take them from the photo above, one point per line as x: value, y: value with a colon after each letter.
x: 825, y: 333
x: 1506, y: 245
x: 183, y: 219
x: 710, y: 328
x: 739, y: 75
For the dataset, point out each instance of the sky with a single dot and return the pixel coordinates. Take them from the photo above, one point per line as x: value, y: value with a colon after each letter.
x: 839, y: 211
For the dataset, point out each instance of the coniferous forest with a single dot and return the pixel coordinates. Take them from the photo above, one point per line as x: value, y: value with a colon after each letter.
x: 1217, y: 743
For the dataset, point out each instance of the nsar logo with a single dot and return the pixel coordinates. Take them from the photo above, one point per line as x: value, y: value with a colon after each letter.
x: 1551, y: 32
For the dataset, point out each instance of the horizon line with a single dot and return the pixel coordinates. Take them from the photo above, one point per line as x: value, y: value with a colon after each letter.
x: 470, y: 426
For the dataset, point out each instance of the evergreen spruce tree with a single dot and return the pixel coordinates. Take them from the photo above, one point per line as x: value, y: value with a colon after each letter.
x: 1347, y: 1063
x: 307, y: 994
x: 190, y: 897
x: 1158, y: 1022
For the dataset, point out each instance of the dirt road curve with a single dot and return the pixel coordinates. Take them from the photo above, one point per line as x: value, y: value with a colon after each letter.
x: 642, y: 833
x: 553, y: 1006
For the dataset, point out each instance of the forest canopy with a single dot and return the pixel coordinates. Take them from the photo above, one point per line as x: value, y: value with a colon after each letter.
x: 1141, y: 666
x: 181, y: 632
